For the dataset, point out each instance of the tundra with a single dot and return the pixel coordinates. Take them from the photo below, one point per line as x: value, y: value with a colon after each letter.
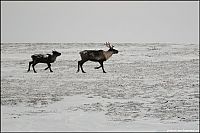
x: 43, y: 58
x: 96, y: 56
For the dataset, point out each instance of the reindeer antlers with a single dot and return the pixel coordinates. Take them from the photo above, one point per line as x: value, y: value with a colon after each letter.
x: 108, y: 45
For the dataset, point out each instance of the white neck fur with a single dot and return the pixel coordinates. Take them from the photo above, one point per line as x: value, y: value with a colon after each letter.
x: 108, y: 54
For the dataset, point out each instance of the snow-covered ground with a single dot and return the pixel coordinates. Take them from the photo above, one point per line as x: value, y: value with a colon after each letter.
x: 147, y: 87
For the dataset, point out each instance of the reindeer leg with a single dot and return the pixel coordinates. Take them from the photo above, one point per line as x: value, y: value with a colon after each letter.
x: 46, y: 67
x: 78, y: 67
x: 81, y: 65
x: 34, y: 67
x: 102, y: 66
x: 98, y: 66
x: 29, y: 66
x: 49, y: 66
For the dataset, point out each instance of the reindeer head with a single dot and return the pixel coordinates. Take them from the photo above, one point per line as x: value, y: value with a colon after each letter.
x: 111, y: 48
x: 56, y: 53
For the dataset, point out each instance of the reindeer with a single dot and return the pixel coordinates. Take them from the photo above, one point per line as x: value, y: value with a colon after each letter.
x: 43, y: 58
x: 96, y: 56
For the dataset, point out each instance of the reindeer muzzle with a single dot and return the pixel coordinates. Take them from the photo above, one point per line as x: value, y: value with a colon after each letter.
x: 116, y: 51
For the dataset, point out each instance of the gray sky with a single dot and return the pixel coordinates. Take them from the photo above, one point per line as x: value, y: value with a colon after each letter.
x: 100, y: 21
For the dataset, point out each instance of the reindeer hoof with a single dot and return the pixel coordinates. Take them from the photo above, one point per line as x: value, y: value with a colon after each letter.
x: 104, y: 72
x: 84, y: 72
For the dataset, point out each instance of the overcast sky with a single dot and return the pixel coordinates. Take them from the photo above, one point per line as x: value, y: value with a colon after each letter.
x: 114, y: 21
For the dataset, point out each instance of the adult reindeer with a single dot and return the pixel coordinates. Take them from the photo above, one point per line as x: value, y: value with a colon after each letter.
x: 96, y: 56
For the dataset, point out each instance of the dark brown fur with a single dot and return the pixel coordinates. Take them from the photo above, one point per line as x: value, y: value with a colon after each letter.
x: 43, y: 58
x: 96, y: 56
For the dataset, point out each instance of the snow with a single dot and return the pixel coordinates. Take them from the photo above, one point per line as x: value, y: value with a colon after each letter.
x: 147, y: 87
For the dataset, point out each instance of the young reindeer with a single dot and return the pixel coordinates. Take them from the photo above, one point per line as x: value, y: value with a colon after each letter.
x: 96, y: 56
x: 43, y: 58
